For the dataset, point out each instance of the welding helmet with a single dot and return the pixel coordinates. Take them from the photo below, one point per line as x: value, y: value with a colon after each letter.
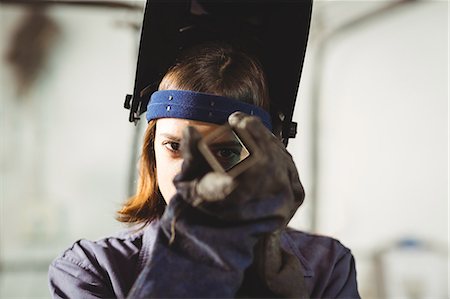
x: 275, y: 32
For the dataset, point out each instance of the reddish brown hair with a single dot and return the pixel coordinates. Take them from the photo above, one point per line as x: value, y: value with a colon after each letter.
x: 211, y: 68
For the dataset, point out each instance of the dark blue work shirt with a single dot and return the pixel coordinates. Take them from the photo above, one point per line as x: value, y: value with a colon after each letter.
x: 108, y: 268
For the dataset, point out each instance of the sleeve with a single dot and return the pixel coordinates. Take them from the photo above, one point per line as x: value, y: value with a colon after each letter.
x: 207, y: 258
x: 342, y: 283
x: 73, y: 276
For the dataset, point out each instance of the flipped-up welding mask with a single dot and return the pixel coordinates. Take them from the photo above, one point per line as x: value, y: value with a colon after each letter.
x: 273, y: 31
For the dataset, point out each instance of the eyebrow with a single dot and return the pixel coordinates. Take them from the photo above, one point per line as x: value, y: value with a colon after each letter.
x: 171, y: 137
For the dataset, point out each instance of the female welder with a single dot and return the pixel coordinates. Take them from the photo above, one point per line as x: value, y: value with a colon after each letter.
x: 206, y: 234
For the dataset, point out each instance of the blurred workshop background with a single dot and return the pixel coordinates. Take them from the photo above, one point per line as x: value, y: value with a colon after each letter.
x: 372, y: 147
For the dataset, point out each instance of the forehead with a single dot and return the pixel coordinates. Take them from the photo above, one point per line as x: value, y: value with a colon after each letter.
x: 175, y: 126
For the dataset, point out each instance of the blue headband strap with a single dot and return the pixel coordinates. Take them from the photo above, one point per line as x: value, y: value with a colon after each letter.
x: 199, y: 106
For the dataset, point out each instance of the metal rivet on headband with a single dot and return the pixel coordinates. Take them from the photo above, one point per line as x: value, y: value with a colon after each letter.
x: 211, y: 103
x: 251, y: 112
x: 210, y: 114
x: 170, y: 98
x: 168, y: 108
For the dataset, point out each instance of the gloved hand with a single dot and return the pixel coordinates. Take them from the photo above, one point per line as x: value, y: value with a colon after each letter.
x: 207, y: 235
x: 270, y: 188
x: 280, y: 271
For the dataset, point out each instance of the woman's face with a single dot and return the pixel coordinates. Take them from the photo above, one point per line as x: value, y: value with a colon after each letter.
x: 169, y: 132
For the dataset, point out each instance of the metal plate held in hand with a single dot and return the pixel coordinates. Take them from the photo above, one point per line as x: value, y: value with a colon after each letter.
x: 229, y: 150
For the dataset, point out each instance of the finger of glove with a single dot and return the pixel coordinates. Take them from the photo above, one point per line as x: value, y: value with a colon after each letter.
x: 277, y: 160
x: 258, y: 135
x: 194, y: 165
x: 255, y: 178
x: 297, y: 186
x: 266, y: 142
x: 272, y: 253
x: 281, y: 270
x: 253, y: 125
x: 215, y: 186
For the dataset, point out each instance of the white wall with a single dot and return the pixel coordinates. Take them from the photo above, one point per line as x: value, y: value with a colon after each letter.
x: 66, y: 145
x: 383, y: 138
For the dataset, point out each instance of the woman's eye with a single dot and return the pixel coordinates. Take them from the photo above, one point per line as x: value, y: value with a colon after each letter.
x: 228, y: 157
x: 225, y: 153
x: 172, y: 146
x: 228, y: 154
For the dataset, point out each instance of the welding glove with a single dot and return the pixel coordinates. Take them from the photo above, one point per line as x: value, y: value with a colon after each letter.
x: 274, y: 268
x: 207, y: 235
x: 274, y: 272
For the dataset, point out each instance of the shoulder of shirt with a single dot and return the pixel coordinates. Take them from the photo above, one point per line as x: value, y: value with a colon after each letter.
x: 96, y: 256
x: 107, y: 267
x: 314, y: 250
x: 311, y: 240
x: 128, y: 238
